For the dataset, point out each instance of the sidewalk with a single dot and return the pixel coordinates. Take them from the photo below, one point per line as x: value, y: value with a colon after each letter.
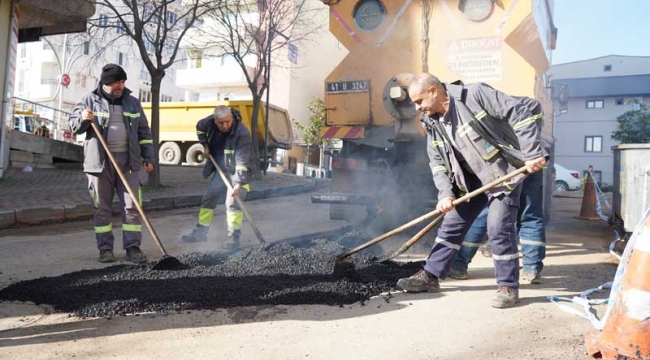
x: 46, y: 195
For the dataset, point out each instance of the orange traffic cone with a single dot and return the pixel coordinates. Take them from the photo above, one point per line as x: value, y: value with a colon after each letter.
x: 588, y: 209
x: 626, y: 334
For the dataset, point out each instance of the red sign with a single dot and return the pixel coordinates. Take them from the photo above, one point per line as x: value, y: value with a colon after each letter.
x: 65, y: 80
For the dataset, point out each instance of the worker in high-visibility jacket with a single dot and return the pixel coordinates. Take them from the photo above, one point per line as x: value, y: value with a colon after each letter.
x: 228, y: 141
x: 475, y: 135
x: 124, y: 127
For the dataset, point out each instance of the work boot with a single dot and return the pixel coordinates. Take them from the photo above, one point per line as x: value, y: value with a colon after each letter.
x: 106, y: 256
x: 458, y: 273
x: 506, y: 297
x: 420, y: 281
x: 232, y: 243
x: 199, y: 234
x: 135, y: 255
x: 530, y: 277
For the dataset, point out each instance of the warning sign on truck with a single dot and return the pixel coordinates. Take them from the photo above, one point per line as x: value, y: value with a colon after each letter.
x: 476, y: 59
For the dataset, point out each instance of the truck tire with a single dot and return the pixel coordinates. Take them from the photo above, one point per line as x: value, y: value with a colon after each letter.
x: 170, y: 153
x: 194, y: 155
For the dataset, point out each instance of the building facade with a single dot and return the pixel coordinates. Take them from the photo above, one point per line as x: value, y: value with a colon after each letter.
x: 595, y: 93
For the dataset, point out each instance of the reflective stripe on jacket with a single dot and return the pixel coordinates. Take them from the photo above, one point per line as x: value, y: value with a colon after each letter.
x: 139, y: 134
x: 237, y: 150
x: 495, y: 132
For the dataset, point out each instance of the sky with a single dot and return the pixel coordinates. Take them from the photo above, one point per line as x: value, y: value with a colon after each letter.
x: 594, y: 28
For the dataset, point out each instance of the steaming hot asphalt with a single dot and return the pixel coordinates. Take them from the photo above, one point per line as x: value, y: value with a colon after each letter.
x: 281, y: 275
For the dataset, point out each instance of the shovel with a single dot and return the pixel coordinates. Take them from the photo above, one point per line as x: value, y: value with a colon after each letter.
x: 240, y: 203
x: 166, y: 262
x: 342, y: 264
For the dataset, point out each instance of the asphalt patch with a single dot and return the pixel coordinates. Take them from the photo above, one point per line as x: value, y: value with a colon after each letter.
x: 283, y: 274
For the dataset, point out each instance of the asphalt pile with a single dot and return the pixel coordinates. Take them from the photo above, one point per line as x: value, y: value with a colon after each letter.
x: 283, y: 274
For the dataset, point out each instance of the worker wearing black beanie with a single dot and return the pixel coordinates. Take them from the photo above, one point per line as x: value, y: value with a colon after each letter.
x: 112, y: 73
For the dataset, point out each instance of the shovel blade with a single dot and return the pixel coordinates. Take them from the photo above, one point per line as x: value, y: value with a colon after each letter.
x: 170, y: 263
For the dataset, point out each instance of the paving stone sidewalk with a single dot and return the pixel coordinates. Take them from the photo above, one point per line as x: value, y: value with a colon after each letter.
x: 62, y: 193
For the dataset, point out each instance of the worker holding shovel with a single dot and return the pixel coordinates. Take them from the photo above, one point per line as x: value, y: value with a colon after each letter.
x: 123, y: 127
x: 227, y: 140
x: 476, y: 135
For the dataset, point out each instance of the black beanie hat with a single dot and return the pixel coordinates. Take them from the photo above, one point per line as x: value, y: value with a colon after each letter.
x: 112, y: 73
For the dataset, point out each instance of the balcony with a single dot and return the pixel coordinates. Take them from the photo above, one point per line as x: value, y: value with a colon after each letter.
x: 212, y: 77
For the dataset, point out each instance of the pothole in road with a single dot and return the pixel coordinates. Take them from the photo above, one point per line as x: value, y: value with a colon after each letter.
x: 284, y: 274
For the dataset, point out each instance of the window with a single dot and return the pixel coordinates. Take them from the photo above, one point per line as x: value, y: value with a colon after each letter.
x: 607, y: 68
x: 121, y: 59
x: 148, y: 45
x: 593, y: 143
x: 598, y: 175
x: 103, y: 20
x: 171, y: 18
x: 86, y: 47
x: 21, y: 80
x: 620, y: 101
x: 165, y: 98
x: 595, y: 104
x: 23, y: 51
x: 145, y: 96
x: 119, y: 28
x: 80, y: 80
x: 144, y: 74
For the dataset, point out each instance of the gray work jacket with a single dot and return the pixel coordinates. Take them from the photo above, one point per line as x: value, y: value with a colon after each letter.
x: 139, y: 134
x: 494, y: 132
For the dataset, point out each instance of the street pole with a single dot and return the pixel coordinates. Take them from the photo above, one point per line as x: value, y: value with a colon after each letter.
x: 268, y: 90
x: 62, y: 67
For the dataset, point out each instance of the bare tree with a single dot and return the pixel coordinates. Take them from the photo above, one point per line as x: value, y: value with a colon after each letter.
x: 251, y: 32
x: 156, y: 28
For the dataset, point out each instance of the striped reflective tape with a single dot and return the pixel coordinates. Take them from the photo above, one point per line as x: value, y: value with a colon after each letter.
x: 440, y: 168
x: 132, y: 227
x: 447, y: 244
x: 103, y: 229
x: 480, y: 115
x: 228, y: 151
x: 506, y: 257
x: 343, y: 132
x: 527, y: 121
x: 201, y: 132
x: 532, y: 242
x: 131, y: 115
x: 247, y: 187
x: 205, y: 216
x: 100, y: 113
x: 438, y: 143
x: 470, y: 244
x: 241, y: 168
x: 143, y: 142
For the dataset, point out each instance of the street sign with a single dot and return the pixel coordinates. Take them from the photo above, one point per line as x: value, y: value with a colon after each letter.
x: 65, y: 80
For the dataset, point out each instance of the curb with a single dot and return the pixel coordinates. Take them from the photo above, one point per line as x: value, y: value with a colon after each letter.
x: 43, y: 215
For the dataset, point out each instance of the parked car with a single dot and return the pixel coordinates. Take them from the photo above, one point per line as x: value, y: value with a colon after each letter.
x: 566, y: 180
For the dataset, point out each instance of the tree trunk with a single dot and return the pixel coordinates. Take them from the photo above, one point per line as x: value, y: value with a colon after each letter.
x: 154, y: 123
x: 256, y: 170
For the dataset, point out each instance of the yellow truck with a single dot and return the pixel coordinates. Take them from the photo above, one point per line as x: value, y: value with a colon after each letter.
x: 382, y: 164
x: 178, y: 120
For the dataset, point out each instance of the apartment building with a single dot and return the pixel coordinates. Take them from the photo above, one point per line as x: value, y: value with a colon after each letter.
x: 595, y: 92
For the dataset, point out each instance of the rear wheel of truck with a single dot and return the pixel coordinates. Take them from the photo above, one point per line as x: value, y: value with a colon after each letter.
x: 170, y: 153
x: 195, y: 155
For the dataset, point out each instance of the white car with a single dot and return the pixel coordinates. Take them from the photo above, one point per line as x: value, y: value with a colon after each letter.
x: 566, y: 180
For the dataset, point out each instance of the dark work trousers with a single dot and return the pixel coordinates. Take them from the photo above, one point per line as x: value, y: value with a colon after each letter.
x: 532, y: 232
x: 502, y: 233
x: 102, y: 189
x: 217, y: 192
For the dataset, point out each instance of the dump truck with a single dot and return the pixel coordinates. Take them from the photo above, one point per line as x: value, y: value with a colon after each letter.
x: 382, y: 169
x: 178, y: 140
